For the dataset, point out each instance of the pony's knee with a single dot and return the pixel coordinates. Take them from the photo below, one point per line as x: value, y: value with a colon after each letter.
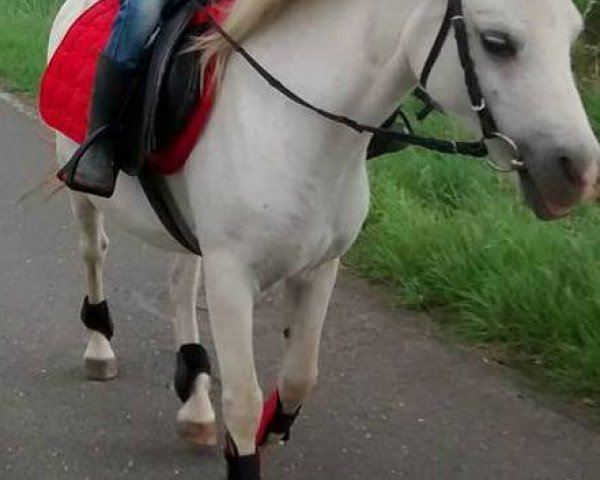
x: 90, y: 255
x: 242, y: 404
x: 184, y: 279
x: 295, y: 388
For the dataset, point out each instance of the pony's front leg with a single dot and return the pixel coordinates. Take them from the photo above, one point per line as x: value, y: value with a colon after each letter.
x: 230, y: 293
x: 306, y: 299
x: 196, y: 421
x: 100, y: 360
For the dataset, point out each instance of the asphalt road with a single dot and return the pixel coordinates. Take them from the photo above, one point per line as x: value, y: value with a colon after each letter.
x: 394, y: 400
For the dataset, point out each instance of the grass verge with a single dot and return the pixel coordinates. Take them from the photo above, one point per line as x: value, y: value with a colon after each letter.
x: 447, y: 233
x: 24, y: 26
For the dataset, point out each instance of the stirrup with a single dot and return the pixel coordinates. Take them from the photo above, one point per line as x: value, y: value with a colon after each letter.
x: 67, y: 174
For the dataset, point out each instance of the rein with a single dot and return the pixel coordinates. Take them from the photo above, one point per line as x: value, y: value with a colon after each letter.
x: 453, y: 19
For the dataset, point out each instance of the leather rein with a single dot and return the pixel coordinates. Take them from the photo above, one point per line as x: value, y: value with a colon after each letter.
x: 453, y: 20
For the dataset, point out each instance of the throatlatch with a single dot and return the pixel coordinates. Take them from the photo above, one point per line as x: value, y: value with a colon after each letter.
x: 97, y: 317
x: 192, y: 360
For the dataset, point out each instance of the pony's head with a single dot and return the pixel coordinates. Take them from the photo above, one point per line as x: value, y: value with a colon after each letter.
x: 521, y: 51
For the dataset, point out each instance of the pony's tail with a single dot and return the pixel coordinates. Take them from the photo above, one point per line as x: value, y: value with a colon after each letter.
x: 46, y: 188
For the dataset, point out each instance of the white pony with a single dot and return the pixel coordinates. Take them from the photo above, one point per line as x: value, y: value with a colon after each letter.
x: 278, y: 194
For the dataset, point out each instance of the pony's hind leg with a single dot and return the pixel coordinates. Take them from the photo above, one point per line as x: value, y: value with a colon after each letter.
x: 100, y: 360
x: 306, y: 299
x: 196, y: 421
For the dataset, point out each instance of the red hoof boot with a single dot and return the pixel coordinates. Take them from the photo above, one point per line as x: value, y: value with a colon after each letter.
x: 241, y: 467
x: 275, y: 422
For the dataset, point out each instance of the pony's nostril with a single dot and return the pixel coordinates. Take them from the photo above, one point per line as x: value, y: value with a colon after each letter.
x: 571, y: 171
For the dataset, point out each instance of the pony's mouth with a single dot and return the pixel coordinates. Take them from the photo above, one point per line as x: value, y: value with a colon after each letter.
x: 541, y: 206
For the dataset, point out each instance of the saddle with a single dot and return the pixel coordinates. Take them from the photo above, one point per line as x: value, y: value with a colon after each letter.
x: 162, y: 111
x: 165, y: 114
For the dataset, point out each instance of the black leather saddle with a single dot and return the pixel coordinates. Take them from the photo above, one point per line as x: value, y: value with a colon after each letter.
x: 166, y: 94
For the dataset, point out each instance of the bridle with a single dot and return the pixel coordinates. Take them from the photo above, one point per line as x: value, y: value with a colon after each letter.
x: 453, y: 20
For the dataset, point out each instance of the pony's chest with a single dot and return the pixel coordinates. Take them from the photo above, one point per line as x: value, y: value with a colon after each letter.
x: 310, y: 231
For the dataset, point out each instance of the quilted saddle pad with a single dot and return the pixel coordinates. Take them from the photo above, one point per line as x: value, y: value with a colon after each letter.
x: 67, y: 83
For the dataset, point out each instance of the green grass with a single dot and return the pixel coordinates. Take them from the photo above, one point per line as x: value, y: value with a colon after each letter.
x: 591, y: 97
x: 445, y: 233
x: 24, y: 26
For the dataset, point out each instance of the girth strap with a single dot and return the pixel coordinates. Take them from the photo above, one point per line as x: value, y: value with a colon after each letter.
x: 166, y: 208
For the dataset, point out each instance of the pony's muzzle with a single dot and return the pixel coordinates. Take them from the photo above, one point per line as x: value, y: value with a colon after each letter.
x: 580, y: 168
x: 559, y: 177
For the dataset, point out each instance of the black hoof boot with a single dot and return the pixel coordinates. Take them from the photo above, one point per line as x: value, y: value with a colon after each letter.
x: 192, y: 360
x: 241, y: 467
x: 97, y: 317
x: 92, y: 168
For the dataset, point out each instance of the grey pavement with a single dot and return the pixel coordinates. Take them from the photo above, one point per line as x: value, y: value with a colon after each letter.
x: 394, y: 400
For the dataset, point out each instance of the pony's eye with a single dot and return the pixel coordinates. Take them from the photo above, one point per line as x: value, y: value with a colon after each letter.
x: 498, y: 43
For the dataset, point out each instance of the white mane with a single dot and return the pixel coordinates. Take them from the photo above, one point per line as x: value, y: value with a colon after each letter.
x: 244, y: 17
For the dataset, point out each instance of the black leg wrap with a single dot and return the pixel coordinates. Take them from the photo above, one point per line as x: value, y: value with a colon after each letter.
x: 282, y: 422
x: 192, y: 360
x: 275, y: 420
x: 241, y: 468
x: 97, y: 317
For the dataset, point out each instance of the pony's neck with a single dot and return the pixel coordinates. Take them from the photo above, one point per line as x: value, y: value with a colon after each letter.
x: 349, y: 56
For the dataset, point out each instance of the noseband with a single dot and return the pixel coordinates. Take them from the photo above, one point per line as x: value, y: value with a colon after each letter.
x: 453, y: 19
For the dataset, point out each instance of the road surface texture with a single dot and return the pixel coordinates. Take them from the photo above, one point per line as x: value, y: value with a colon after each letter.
x: 394, y: 400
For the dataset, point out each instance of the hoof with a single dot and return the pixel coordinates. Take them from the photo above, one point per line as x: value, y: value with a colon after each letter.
x: 201, y: 434
x: 100, y: 370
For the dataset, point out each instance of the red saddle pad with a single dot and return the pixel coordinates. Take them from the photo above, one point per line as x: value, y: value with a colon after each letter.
x: 67, y: 83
